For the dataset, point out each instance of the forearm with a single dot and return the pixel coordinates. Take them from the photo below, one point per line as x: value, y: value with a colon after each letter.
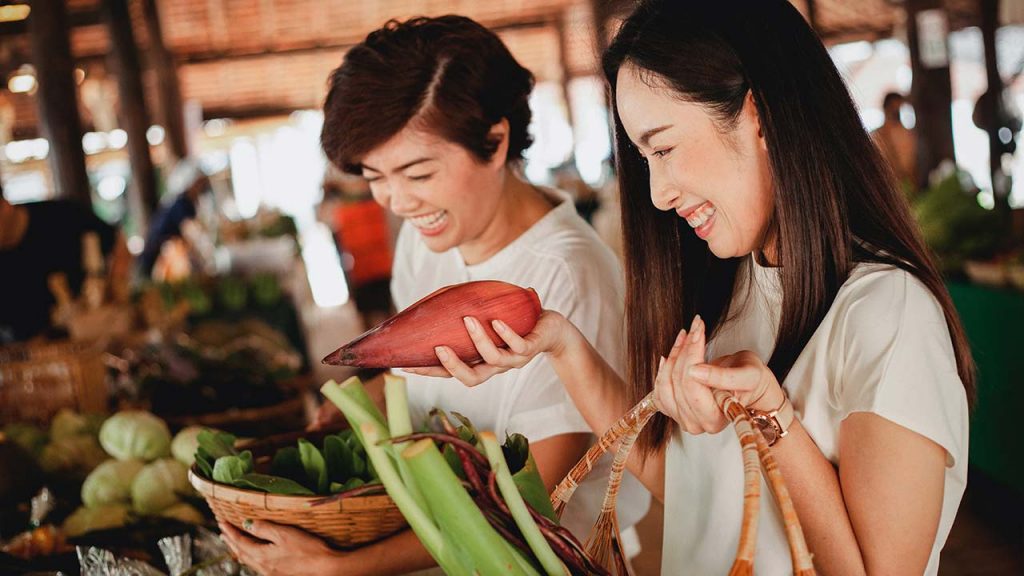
x: 599, y: 393
x: 813, y: 485
x: 398, y: 554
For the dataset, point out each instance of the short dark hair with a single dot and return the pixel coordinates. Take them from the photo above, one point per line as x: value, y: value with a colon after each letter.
x: 449, y: 73
x: 890, y: 98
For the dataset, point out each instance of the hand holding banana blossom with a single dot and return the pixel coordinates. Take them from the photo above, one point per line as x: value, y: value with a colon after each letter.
x: 604, y: 546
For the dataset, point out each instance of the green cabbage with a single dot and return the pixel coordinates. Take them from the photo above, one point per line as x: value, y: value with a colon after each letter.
x: 135, y: 434
x: 29, y: 437
x: 76, y: 456
x: 110, y: 483
x: 68, y: 423
x: 158, y: 485
x: 88, y: 519
x: 184, y: 445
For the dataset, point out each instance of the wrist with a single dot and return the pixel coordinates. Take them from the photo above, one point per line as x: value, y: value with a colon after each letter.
x: 335, y: 562
x: 770, y: 400
x: 565, y: 338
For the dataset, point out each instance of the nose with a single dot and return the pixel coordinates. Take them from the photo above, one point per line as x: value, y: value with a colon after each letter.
x: 664, y: 195
x: 393, y: 197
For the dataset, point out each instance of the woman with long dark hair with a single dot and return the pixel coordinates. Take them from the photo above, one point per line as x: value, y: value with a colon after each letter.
x: 434, y: 114
x: 759, y: 217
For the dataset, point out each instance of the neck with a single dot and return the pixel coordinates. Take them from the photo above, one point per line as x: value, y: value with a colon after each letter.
x: 520, y: 206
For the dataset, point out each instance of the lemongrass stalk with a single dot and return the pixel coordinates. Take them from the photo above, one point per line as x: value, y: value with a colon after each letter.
x: 354, y: 387
x: 419, y: 520
x: 457, y: 515
x: 360, y: 408
x: 371, y: 433
x: 517, y: 507
x: 400, y: 424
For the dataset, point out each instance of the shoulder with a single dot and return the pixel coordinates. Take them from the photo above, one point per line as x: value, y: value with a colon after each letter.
x: 879, y: 297
x: 570, y: 260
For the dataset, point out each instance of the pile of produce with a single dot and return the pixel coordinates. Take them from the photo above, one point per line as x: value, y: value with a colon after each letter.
x: 216, y: 367
x: 478, y: 507
x: 338, y: 465
x: 69, y: 448
x: 139, y: 478
x: 119, y: 482
x: 223, y: 295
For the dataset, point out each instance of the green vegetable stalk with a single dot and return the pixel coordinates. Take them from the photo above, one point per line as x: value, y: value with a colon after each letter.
x: 397, y: 400
x: 517, y: 506
x: 371, y: 431
x: 457, y: 514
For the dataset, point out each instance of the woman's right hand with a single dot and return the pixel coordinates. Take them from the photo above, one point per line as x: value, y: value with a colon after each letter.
x: 549, y: 335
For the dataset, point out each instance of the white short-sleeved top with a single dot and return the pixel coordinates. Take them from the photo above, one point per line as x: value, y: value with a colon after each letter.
x: 562, y: 258
x: 883, y: 347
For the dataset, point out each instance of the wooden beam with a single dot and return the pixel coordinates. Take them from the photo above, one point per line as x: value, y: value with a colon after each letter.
x: 563, y: 60
x: 991, y: 104
x: 124, y: 62
x: 172, y: 113
x: 335, y: 44
x: 57, y: 99
x: 75, y: 19
x: 931, y: 91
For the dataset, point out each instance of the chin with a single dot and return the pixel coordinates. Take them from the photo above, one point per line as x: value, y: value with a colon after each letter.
x: 438, y: 244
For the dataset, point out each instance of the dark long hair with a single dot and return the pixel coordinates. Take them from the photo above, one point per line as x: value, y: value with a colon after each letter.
x: 836, y: 203
x: 450, y: 74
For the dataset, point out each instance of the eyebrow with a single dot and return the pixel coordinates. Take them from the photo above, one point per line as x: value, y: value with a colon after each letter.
x: 403, y: 166
x: 645, y: 138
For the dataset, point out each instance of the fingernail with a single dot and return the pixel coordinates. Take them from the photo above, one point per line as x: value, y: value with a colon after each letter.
x: 700, y: 372
x: 470, y: 324
x: 693, y: 324
x: 680, y: 338
x: 661, y: 361
x: 442, y: 354
x: 247, y: 524
x: 498, y: 325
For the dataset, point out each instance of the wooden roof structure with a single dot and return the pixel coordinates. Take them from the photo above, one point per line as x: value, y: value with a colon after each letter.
x: 251, y: 58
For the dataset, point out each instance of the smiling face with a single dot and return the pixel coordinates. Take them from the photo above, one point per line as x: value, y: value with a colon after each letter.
x: 720, y: 183
x: 445, y: 192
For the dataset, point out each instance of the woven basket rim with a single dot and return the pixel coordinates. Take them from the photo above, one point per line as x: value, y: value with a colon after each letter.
x: 213, y: 490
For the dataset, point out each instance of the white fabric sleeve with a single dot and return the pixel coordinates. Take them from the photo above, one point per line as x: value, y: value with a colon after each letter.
x: 542, y: 408
x: 898, y: 362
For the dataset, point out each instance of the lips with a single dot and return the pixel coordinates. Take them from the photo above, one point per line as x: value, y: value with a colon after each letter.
x: 431, y: 221
x: 699, y: 215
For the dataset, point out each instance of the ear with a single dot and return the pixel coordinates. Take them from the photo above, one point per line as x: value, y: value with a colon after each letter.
x: 750, y: 108
x: 499, y: 133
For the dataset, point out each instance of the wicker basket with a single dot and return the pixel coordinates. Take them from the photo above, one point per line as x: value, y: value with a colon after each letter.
x: 345, y: 523
x: 37, y: 380
x: 288, y: 414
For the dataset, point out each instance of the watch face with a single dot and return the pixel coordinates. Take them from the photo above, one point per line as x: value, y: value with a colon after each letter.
x: 764, y: 424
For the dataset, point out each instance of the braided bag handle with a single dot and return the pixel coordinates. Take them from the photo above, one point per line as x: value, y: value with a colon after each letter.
x: 604, y: 544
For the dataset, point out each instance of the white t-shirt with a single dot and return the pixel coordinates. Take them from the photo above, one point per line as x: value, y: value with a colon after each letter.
x: 883, y: 347
x: 561, y: 258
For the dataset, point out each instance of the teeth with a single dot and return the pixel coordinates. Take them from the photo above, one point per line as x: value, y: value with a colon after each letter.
x: 428, y: 221
x: 701, y: 215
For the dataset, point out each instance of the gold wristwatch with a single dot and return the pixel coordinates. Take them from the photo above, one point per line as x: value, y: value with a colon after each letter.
x: 774, y: 424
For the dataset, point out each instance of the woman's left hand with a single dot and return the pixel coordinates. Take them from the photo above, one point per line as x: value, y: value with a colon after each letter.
x: 685, y: 383
x: 274, y: 549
